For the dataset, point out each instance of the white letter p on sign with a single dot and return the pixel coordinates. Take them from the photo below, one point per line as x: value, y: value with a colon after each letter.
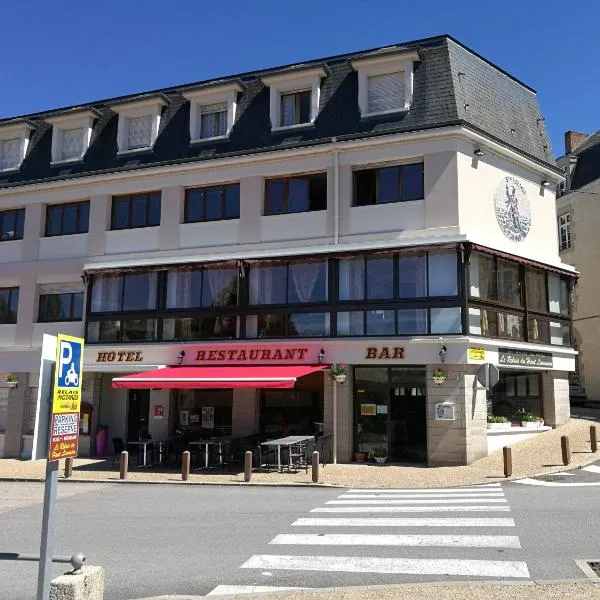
x: 66, y: 356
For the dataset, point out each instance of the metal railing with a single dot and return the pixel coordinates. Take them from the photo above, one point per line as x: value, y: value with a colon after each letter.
x: 76, y: 561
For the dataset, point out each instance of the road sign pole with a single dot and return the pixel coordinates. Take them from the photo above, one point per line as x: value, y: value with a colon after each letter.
x: 47, y: 541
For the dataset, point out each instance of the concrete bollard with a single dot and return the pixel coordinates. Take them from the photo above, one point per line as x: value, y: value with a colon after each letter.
x: 315, y: 466
x: 566, y: 450
x: 247, y: 465
x: 123, y: 464
x: 507, y: 454
x: 594, y: 438
x: 68, y: 467
x: 87, y: 585
x: 185, y: 465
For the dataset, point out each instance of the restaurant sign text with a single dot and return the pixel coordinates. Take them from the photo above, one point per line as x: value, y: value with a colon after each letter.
x: 522, y: 358
x: 252, y: 354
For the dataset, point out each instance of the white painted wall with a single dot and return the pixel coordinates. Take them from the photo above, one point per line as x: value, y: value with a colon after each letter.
x: 64, y: 246
x: 11, y: 251
x: 213, y: 233
x: 144, y: 239
x: 298, y: 226
x: 7, y: 335
x: 74, y: 328
x: 399, y: 216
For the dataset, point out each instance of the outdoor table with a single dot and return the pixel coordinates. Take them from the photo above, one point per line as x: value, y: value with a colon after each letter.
x: 286, y: 442
x: 214, y: 442
x: 144, y: 445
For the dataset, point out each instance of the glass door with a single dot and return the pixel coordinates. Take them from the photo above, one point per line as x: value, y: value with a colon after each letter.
x: 371, y: 400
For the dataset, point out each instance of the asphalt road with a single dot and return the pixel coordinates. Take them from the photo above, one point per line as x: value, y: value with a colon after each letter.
x: 168, y: 539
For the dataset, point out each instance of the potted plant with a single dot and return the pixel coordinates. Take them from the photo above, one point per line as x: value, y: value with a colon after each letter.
x: 338, y: 373
x: 439, y: 376
x: 528, y: 420
x: 380, y: 454
x: 11, y: 381
x: 496, y: 422
x: 359, y: 456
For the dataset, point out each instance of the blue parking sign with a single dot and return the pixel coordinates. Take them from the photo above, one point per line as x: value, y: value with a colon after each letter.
x: 67, y: 383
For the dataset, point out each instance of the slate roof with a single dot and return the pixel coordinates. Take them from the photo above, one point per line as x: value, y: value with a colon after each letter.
x: 452, y: 85
x: 587, y: 168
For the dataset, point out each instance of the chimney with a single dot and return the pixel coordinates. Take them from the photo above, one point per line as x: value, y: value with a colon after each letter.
x: 573, y: 139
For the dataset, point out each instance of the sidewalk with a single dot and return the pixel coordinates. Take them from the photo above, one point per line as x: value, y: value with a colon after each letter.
x: 539, y: 455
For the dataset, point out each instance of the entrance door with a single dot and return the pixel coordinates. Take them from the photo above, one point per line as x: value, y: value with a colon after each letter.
x: 138, y: 414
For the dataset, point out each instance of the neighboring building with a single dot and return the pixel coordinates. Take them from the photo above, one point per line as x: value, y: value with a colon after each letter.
x: 388, y: 210
x: 578, y: 215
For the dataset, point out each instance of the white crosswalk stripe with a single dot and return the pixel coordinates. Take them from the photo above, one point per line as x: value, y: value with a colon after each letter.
x: 227, y: 590
x: 370, y: 552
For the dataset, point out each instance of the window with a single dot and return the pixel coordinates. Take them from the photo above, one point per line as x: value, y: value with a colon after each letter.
x: 10, y: 154
x: 299, y: 282
x: 213, y: 121
x: 380, y: 277
x: 67, y: 219
x: 412, y: 275
x: 537, y: 295
x: 117, y: 293
x: 122, y: 330
x: 60, y: 307
x: 196, y: 328
x: 295, y: 108
x: 202, y: 288
x: 442, y: 274
x: 12, y: 223
x: 139, y: 122
x: 9, y: 305
x: 388, y: 184
x: 71, y: 134
x: 212, y: 203
x: 558, y: 294
x: 386, y: 92
x: 491, y: 323
x: 283, y: 325
x: 139, y: 132
x: 72, y: 144
x: 564, y: 231
x: 446, y: 320
x: 296, y: 194
x: 136, y: 210
x: 494, y: 279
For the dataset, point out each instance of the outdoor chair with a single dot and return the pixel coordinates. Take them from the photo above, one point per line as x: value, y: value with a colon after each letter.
x: 118, y: 447
x: 297, y: 457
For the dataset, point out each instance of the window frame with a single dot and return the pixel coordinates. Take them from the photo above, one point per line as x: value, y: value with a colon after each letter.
x: 286, y: 193
x: 215, y: 115
x: 296, y: 94
x: 16, y: 212
x: 130, y: 198
x: 377, y: 201
x: 11, y: 291
x: 204, y: 190
x: 566, y: 227
x: 72, y: 303
x: 79, y: 205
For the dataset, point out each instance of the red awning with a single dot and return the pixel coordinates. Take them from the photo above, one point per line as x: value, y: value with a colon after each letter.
x: 216, y: 377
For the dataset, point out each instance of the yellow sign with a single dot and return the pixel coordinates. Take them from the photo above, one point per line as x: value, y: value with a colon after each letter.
x: 476, y: 353
x: 68, y: 375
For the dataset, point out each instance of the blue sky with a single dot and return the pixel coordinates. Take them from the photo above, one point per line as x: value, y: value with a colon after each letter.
x: 71, y: 51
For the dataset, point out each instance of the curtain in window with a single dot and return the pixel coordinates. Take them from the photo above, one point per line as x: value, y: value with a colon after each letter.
x: 386, y: 92
x: 535, y: 282
x: 139, y: 132
x: 72, y: 143
x: 179, y: 289
x: 213, y: 120
x: 106, y: 294
x: 219, y: 281
x: 288, y: 109
x: 352, y: 279
x: 412, y: 276
x: 10, y: 153
x: 304, y: 277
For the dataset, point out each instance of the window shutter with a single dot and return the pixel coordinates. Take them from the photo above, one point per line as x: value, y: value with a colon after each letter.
x: 10, y: 153
x: 72, y: 143
x: 139, y: 132
x: 386, y: 92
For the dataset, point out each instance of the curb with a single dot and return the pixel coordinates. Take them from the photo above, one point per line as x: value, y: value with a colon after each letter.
x: 397, y: 586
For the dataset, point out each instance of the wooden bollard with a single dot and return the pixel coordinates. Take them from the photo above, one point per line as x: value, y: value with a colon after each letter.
x: 247, y: 465
x: 594, y: 438
x: 68, y: 467
x: 566, y: 450
x: 185, y: 465
x: 507, y: 454
x: 315, y: 467
x: 123, y: 464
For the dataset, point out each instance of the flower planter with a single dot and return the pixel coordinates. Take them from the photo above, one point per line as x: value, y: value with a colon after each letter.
x: 359, y: 457
x: 439, y: 379
x: 380, y: 459
x: 498, y: 425
x: 530, y: 424
x: 340, y: 378
x: 12, y: 384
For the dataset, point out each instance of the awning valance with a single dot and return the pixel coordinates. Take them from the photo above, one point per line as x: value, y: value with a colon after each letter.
x: 243, y: 376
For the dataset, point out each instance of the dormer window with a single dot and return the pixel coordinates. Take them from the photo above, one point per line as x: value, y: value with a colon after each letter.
x: 385, y: 83
x: 294, y: 97
x: 71, y: 135
x: 139, y: 122
x: 213, y: 110
x: 14, y: 139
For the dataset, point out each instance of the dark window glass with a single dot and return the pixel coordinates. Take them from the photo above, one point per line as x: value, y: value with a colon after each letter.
x: 351, y: 323
x: 122, y: 330
x: 381, y: 322
x: 380, y: 278
x: 483, y: 277
x: 296, y: 194
x: 538, y: 330
x: 232, y: 202
x: 269, y: 325
x: 412, y: 321
x: 308, y: 325
x: 304, y: 101
x: 194, y: 207
x: 219, y: 287
x: 139, y: 291
x: 9, y: 305
x: 61, y: 307
x: 509, y: 289
x: 388, y: 184
x: 445, y: 320
x: 412, y: 275
x: 510, y: 326
x: 194, y: 328
x: 351, y: 278
x: 214, y: 203
x: 295, y: 108
x: 12, y: 224
x: 268, y: 284
x: 442, y: 273
x: 307, y: 282
x: 535, y: 285
x: 136, y: 210
x: 184, y: 289
x: 67, y: 219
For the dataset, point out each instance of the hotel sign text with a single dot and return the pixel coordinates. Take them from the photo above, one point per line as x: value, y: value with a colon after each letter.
x: 127, y: 356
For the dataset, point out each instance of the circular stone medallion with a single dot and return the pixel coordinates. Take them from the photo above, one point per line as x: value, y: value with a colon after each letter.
x: 512, y: 209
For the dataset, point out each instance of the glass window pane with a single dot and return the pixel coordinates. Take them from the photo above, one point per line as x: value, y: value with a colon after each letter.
x: 213, y: 204
x: 381, y: 322
x: 9, y: 221
x: 351, y: 323
x: 412, y: 182
x: 120, y: 216
x: 70, y: 215
x: 77, y: 307
x: 138, y: 330
x: 139, y: 132
x: 538, y: 330
x: 509, y: 290
x: 535, y: 284
x: 307, y: 282
x: 139, y: 291
x: 446, y: 320
x: 106, y: 294
x: 288, y: 110
x: 138, y: 211
x: 317, y: 192
x: 269, y: 325
x: 220, y: 287
x: 194, y: 206
x: 304, y: 102
x: 412, y: 321
x: 154, y: 210
x: 412, y: 276
x: 365, y: 187
x: 298, y: 195
x: 389, y: 184
x: 20, y: 223
x: 184, y: 289
x: 14, y: 302
x: 380, y: 278
x: 560, y: 334
x: 443, y: 276
x: 84, y: 217
x: 232, y: 201
x: 275, y: 196
x: 308, y: 325
x: 53, y: 218
x: 351, y: 280
x: 268, y: 284
x: 510, y: 326
x: 483, y: 277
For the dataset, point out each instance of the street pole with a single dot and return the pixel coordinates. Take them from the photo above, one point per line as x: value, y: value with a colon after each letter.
x: 46, y: 544
x: 335, y: 386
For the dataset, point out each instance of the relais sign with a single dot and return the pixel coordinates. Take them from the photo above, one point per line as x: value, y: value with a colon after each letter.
x: 66, y: 398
